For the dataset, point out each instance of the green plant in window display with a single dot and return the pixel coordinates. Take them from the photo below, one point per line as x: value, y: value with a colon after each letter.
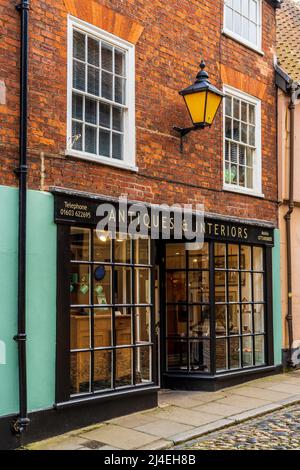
x: 231, y: 174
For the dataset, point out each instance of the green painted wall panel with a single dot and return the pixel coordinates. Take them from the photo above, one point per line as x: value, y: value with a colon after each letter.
x: 41, y: 299
x: 277, y: 300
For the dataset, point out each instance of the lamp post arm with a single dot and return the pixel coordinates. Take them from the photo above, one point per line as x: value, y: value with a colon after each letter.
x: 185, y: 130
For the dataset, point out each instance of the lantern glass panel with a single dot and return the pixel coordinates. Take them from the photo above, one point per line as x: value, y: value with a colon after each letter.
x: 212, y: 105
x: 195, y: 103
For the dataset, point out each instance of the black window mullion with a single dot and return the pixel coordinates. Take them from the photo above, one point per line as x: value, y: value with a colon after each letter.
x: 92, y: 312
x: 213, y: 341
x: 241, y: 307
x: 228, y: 342
x: 187, y: 310
x: 113, y: 300
x: 252, y: 306
x: 133, y: 311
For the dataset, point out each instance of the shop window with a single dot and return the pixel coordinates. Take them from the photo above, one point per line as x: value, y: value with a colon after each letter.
x: 242, y: 21
x: 215, y: 307
x: 101, y: 96
x: 110, y: 312
x: 242, y: 142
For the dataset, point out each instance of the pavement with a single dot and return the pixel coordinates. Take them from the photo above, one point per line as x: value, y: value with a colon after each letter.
x: 183, y: 416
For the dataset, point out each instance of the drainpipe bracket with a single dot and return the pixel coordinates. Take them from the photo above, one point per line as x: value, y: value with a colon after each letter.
x: 23, y: 6
x: 20, y: 425
x: 20, y: 337
x: 21, y: 170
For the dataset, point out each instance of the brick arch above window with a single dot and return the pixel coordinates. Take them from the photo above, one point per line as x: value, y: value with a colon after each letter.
x: 243, y: 82
x: 105, y: 18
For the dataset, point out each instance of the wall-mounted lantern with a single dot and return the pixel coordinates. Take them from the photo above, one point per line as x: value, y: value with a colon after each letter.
x: 202, y: 101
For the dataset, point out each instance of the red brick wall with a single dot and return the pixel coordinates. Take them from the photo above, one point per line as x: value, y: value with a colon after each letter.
x: 171, y: 37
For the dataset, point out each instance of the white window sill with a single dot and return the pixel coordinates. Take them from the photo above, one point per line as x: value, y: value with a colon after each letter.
x: 245, y: 43
x: 240, y: 190
x: 101, y: 160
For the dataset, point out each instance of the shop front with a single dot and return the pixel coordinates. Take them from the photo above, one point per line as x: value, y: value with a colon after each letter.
x: 136, y: 314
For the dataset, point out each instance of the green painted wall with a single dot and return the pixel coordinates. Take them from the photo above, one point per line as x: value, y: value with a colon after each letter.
x: 277, y: 300
x: 41, y: 299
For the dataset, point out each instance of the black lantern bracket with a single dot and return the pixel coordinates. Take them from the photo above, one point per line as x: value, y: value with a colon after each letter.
x: 183, y: 131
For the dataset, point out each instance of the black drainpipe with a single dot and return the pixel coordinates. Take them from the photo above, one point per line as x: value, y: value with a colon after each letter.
x: 288, y: 216
x: 22, y: 420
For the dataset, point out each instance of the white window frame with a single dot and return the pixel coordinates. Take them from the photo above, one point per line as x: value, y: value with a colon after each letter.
x: 257, y: 164
x: 239, y: 38
x: 129, y: 146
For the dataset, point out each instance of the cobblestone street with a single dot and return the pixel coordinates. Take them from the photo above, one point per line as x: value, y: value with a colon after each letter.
x: 275, y: 431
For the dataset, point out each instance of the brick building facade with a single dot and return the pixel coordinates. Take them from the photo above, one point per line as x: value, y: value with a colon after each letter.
x: 169, y: 38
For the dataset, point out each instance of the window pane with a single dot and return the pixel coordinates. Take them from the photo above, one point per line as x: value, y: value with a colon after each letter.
x: 175, y: 256
x: 177, y: 320
x: 234, y: 157
x: 242, y: 154
x: 78, y: 45
x: 246, y: 257
x: 227, y: 173
x: 90, y: 139
x: 176, y: 355
x: 242, y: 178
x: 236, y: 108
x: 236, y: 5
x: 93, y: 81
x: 199, y: 320
x: 76, y: 135
x: 120, y: 90
x: 102, y: 327
x: 93, y: 52
x: 233, y: 174
x: 80, y: 282
x: 90, y: 111
x: 220, y: 286
x: 142, y: 251
x: 200, y: 356
x: 221, y: 354
x: 80, y: 372
x: 244, y: 108
x: 143, y: 324
x: 78, y: 75
x: 221, y: 320
x: 236, y: 130
x: 102, y: 370
x: 80, y: 244
x: 102, y: 246
x: 220, y: 255
x: 233, y: 256
x: 244, y: 133
x: 245, y: 28
x: 119, y: 62
x: 102, y: 285
x: 247, y: 351
x: 251, y: 114
x: 122, y: 249
x: 104, y: 115
x: 117, y: 119
x: 106, y: 57
x: 228, y: 18
x: 123, y: 325
x: 104, y: 143
x: 237, y: 23
x: 249, y: 155
x: 123, y: 285
x: 227, y: 150
x: 117, y: 146
x: 142, y: 285
x: 259, y: 342
x: 246, y: 287
x: 198, y: 286
x: 235, y: 353
x: 123, y: 367
x: 143, y: 364
x: 251, y: 135
x: 176, y: 287
x: 258, y: 284
x: 249, y: 178
x: 253, y: 10
x: 259, y: 318
x: 199, y: 259
x: 228, y: 128
x: 77, y: 107
x: 247, y: 326
x: 80, y: 328
x: 228, y: 105
x: 234, y: 319
x: 258, y: 258
x: 106, y: 85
